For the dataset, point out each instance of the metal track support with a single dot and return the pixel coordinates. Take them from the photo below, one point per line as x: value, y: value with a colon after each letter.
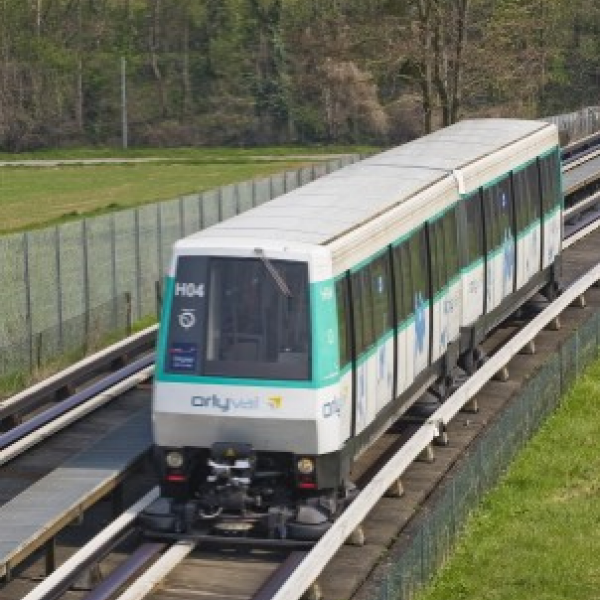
x: 427, y: 454
x: 472, y: 406
x: 357, y: 537
x: 502, y: 375
x: 579, y: 302
x: 314, y: 592
x: 396, y: 490
x: 529, y: 348
x: 50, y: 555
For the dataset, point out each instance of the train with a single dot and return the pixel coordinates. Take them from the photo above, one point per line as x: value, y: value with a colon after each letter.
x: 294, y: 334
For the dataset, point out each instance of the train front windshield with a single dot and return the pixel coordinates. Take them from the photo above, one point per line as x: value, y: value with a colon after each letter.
x: 240, y: 317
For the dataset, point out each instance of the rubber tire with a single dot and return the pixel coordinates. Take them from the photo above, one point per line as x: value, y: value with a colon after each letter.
x: 306, y: 533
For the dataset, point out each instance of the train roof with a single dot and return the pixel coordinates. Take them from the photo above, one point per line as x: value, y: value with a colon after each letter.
x: 324, y: 210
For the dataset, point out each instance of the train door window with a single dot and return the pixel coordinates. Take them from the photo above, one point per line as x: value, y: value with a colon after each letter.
x: 533, y: 184
x: 505, y: 209
x: 474, y: 224
x: 522, y: 196
x: 381, y: 295
x: 419, y: 263
x: 438, y: 265
x: 550, y: 171
x: 450, y: 256
x: 403, y: 282
x: 363, y: 309
x: 498, y: 220
x: 343, y: 312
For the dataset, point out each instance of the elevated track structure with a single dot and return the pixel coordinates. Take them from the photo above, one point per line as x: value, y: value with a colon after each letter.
x: 397, y: 477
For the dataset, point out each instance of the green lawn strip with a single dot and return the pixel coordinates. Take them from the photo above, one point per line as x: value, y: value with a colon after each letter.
x: 35, y: 197
x: 537, y: 535
x: 189, y: 154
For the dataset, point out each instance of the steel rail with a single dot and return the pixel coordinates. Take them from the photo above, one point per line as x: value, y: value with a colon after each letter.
x: 158, y: 571
x: 50, y: 428
x: 16, y: 433
x: 55, y: 583
x: 580, y: 148
x: 141, y: 557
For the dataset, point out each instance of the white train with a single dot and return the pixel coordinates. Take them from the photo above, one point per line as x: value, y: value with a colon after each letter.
x: 294, y: 334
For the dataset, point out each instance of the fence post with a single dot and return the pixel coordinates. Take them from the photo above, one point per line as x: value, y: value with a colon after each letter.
x: 38, y: 350
x: 138, y: 264
x: 86, y: 282
x: 159, y: 237
x: 158, y: 295
x: 129, y: 324
x: 28, y: 315
x: 113, y: 267
x: 59, y: 313
x: 181, y: 217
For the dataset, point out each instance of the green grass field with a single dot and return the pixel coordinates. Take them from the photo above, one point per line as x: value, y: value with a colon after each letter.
x: 537, y: 535
x: 32, y: 197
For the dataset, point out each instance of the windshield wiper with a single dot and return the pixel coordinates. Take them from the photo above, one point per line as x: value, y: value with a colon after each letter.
x: 279, y: 280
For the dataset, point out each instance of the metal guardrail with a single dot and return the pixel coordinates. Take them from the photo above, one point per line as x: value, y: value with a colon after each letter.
x: 580, y: 148
x: 64, y: 382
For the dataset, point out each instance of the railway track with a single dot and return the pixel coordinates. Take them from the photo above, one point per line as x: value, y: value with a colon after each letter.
x: 185, y: 571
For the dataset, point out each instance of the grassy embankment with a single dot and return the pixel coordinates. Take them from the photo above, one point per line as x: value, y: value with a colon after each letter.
x: 32, y: 197
x: 537, y: 535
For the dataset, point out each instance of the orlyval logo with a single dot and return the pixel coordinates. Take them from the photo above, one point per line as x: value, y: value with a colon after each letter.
x: 275, y: 402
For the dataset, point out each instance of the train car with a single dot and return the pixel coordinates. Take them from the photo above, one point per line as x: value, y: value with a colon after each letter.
x: 294, y: 334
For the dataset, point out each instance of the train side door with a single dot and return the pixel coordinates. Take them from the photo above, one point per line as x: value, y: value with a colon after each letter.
x: 500, y: 242
x: 419, y: 331
x: 472, y: 258
x: 526, y: 192
x: 446, y: 281
x: 346, y: 344
x: 549, y: 166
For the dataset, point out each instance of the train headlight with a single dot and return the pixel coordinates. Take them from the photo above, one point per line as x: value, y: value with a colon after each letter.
x: 306, y: 466
x: 174, y: 459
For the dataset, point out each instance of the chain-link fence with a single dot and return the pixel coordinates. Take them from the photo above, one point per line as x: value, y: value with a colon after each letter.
x: 427, y: 541
x: 576, y: 125
x: 52, y: 278
x: 52, y: 348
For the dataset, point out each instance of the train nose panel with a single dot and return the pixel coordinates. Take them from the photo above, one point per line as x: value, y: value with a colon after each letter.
x: 298, y: 436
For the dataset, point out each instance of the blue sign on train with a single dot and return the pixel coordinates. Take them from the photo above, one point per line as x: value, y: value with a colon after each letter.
x: 183, y: 357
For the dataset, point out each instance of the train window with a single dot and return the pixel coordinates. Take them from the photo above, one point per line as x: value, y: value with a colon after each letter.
x: 381, y: 295
x: 438, y: 263
x: 419, y: 263
x: 450, y: 244
x: 498, y: 213
x: 474, y: 228
x: 363, y: 309
x: 533, y: 183
x: 491, y: 220
x: 403, y: 282
x: 257, y: 319
x: 522, y: 197
x: 343, y: 312
x: 550, y: 172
